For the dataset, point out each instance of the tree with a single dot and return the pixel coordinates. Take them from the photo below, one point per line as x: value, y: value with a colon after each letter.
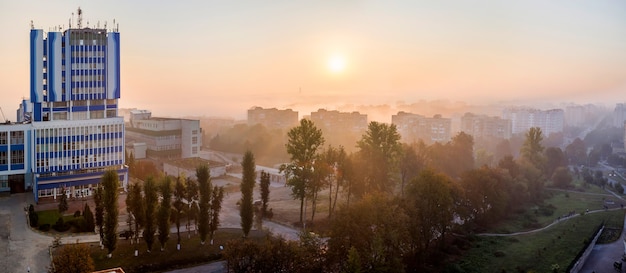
x: 216, y: 207
x: 151, y: 202
x: 90, y: 225
x: 135, y: 206
x: 63, y: 206
x: 191, y: 197
x: 431, y: 204
x: 380, y: 148
x: 487, y: 195
x: 110, y: 184
x: 246, y: 209
x: 375, y: 227
x: 532, y: 150
x: 302, y: 146
x: 576, y: 152
x: 73, y: 258
x: 562, y: 178
x: 554, y: 159
x: 97, y: 198
x: 265, y: 191
x: 179, y: 205
x: 165, y: 209
x: 410, y: 164
x: 204, y: 187
x: 334, y: 168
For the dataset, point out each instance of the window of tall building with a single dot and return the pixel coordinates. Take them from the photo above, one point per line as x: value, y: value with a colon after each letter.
x: 3, y: 158
x: 4, y: 181
x: 194, y: 140
x: 17, y: 137
x: 17, y: 157
x: 3, y: 138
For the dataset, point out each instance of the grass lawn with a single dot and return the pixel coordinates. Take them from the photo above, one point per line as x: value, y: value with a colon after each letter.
x: 560, y: 203
x: 539, y: 251
x: 191, y: 253
x: 51, y: 217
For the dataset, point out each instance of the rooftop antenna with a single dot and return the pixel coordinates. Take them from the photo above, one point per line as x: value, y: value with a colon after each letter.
x: 98, y: 24
x: 105, y: 25
x: 32, y: 25
x: 71, y: 18
x: 80, y: 18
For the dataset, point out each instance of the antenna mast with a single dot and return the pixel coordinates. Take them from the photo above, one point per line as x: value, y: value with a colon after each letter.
x: 80, y: 18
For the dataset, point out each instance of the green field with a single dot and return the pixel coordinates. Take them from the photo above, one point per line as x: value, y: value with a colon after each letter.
x: 559, y: 204
x: 537, y: 252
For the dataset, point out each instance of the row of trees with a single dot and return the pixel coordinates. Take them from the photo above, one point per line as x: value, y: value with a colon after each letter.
x: 151, y: 210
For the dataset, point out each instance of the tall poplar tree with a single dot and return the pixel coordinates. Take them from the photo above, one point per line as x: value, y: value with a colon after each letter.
x: 204, y: 186
x: 216, y: 207
x: 191, y: 197
x: 135, y: 204
x: 151, y: 202
x: 265, y: 191
x: 165, y: 208
x: 179, y: 205
x: 110, y: 184
x: 97, y: 198
x: 246, y: 210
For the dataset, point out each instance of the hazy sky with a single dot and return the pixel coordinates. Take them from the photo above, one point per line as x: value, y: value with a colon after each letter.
x: 219, y: 58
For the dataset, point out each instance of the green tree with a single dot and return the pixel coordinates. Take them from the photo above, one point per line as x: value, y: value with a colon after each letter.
x: 191, y: 198
x: 577, y: 152
x: 90, y: 224
x: 216, y: 207
x: 487, y: 195
x: 431, y: 204
x: 410, y: 164
x: 179, y: 205
x: 562, y: 177
x: 554, y: 158
x: 302, y: 146
x: 151, y: 203
x: 381, y: 150
x: 135, y: 207
x: 73, y: 258
x: 246, y: 209
x: 264, y: 185
x: 532, y: 150
x: 110, y: 184
x: 97, y: 198
x: 204, y: 189
x: 165, y: 208
x: 63, y: 206
x: 375, y: 227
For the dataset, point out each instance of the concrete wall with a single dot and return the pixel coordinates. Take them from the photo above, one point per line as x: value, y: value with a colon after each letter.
x: 175, y: 171
x: 579, y: 264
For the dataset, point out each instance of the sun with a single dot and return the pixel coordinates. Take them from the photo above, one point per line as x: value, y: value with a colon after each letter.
x: 336, y: 64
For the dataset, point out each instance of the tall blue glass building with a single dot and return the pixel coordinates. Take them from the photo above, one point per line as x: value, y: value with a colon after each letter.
x: 69, y: 132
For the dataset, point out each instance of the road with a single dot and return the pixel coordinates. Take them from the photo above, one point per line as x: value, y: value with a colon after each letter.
x: 603, y: 256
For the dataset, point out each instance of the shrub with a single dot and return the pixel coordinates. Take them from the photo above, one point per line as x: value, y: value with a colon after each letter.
x: 61, y: 226
x: 77, y: 213
x: 33, y: 217
x: 44, y: 227
x: 499, y: 253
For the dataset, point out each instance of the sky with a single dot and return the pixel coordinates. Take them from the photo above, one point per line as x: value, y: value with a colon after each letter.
x: 220, y: 58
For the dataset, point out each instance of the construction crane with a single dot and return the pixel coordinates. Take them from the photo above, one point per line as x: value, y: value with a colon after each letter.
x: 3, y: 117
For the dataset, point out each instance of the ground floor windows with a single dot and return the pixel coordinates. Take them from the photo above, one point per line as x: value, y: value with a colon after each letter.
x: 4, y: 181
x: 70, y: 192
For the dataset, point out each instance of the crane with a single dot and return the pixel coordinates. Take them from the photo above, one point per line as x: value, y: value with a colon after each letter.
x: 3, y: 117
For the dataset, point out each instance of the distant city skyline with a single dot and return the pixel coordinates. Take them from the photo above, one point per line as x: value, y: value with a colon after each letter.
x: 210, y: 58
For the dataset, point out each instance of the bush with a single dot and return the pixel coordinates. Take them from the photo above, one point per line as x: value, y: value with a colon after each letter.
x: 44, y: 227
x: 33, y: 217
x: 499, y: 253
x: 77, y: 213
x: 61, y: 226
x: 78, y: 224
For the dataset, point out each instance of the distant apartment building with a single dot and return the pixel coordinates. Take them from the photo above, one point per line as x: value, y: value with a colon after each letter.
x: 482, y: 126
x: 619, y: 115
x: 164, y: 137
x: 335, y: 121
x: 273, y: 118
x: 522, y: 119
x: 413, y: 127
x: 579, y: 115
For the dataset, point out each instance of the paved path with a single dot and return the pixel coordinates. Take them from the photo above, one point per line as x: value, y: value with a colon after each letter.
x: 603, y: 256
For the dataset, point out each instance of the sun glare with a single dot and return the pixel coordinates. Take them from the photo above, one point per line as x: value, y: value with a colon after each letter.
x: 336, y: 64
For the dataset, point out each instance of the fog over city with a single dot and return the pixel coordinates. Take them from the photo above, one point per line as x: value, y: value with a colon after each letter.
x: 200, y: 58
